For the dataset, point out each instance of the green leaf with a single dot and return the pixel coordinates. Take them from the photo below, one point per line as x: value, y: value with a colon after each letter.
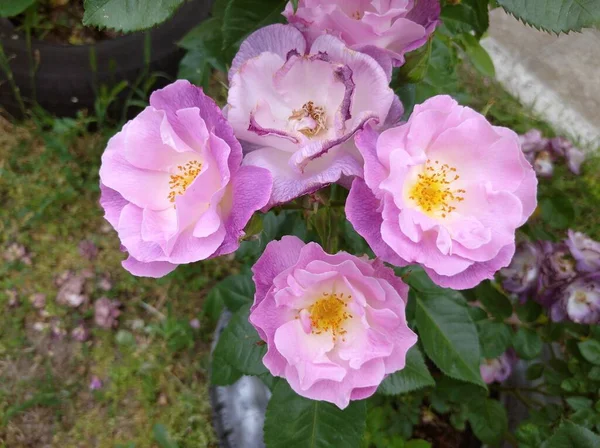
x: 203, y: 45
x: 10, y: 8
x: 128, y: 15
x: 493, y: 300
x: 293, y: 421
x: 494, y: 338
x: 579, y: 403
x: 295, y: 5
x: 415, y: 67
x: 239, y: 350
x: 417, y: 443
x: 527, y: 343
x: 478, y: 55
x: 441, y: 75
x: 572, y: 435
x: 235, y: 291
x: 241, y: 17
x: 590, y: 350
x: 557, y: 209
x: 529, y: 311
x: 555, y: 15
x: 415, y: 375
x: 448, y: 334
x: 594, y: 374
x: 534, y: 371
x: 488, y: 420
x: 467, y: 16
x: 161, y: 435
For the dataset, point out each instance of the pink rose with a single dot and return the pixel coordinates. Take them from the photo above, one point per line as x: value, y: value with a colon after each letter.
x: 334, y: 324
x: 394, y: 26
x: 296, y: 109
x: 446, y: 190
x: 172, y: 185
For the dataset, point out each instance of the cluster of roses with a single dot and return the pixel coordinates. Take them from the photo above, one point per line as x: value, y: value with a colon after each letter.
x: 563, y: 277
x: 309, y: 104
x: 543, y: 152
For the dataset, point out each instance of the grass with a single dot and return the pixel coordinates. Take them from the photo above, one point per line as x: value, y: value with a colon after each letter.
x: 154, y: 366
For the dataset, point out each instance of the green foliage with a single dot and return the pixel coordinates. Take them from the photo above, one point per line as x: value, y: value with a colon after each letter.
x: 557, y: 209
x: 494, y: 301
x: 161, y: 435
x: 479, y: 56
x: 234, y: 291
x: 128, y: 15
x: 557, y: 16
x: 415, y: 375
x: 570, y: 434
x: 415, y: 66
x: 239, y: 350
x: 488, y: 420
x: 296, y: 422
x: 527, y: 343
x: 467, y: 16
x: 494, y: 338
x: 448, y: 334
x: 10, y: 8
x: 590, y: 350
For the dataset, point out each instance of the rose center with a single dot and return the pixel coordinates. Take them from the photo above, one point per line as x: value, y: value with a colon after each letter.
x: 311, y: 119
x: 433, y: 191
x: 329, y: 313
x: 357, y: 15
x: 185, y: 176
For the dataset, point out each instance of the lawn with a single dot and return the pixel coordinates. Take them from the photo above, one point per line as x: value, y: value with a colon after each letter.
x: 143, y: 381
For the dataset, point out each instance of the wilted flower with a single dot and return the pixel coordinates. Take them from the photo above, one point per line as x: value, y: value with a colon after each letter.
x: 80, y: 333
x: 195, y: 324
x: 579, y: 301
x: 88, y: 250
x: 106, y: 312
x: 521, y: 276
x: 172, y: 185
x: 38, y: 300
x: 297, y: 107
x: 543, y: 165
x: 498, y: 369
x: 392, y: 27
x: 585, y: 251
x: 71, y: 292
x: 446, y: 190
x: 564, y: 148
x: 335, y: 325
x: 533, y: 141
x: 557, y: 269
x: 95, y: 383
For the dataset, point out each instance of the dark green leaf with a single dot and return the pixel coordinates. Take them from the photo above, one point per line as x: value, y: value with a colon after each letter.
x: 297, y: 422
x: 234, y: 291
x: 448, y: 334
x: 415, y: 67
x: 535, y: 371
x: 417, y: 443
x: 488, y: 420
x: 590, y: 350
x: 578, y: 403
x: 478, y: 55
x: 555, y: 15
x: 11, y: 8
x: 221, y: 372
x: 241, y: 17
x: 161, y: 435
x: 128, y: 15
x: 467, y: 16
x: 493, y: 300
x: 572, y: 435
x: 203, y: 45
x: 557, y: 209
x: 213, y: 305
x: 240, y: 349
x: 594, y: 374
x: 441, y: 75
x: 415, y: 375
x: 494, y: 338
x: 527, y: 343
x: 529, y: 311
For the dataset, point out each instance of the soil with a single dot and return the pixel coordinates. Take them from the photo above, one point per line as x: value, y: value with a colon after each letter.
x: 60, y: 22
x: 442, y: 434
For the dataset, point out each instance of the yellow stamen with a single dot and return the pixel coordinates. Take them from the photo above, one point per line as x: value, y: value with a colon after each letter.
x: 180, y: 182
x: 432, y: 192
x: 317, y: 113
x: 329, y: 314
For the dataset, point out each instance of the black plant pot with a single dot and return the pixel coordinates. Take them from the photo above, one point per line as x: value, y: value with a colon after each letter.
x: 65, y: 80
x: 239, y: 410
